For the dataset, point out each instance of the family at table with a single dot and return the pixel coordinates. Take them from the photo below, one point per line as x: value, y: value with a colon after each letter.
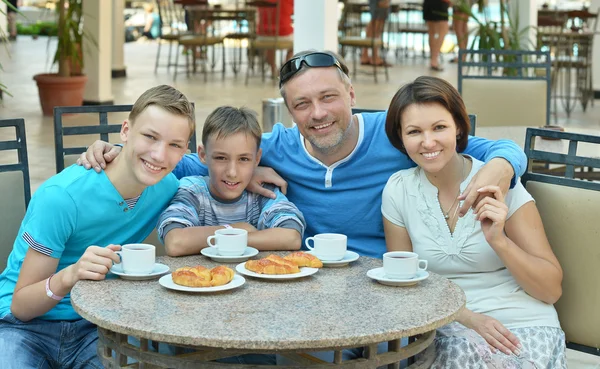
x: 409, y: 179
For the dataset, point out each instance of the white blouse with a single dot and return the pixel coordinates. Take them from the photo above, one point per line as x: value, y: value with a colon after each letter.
x: 465, y: 257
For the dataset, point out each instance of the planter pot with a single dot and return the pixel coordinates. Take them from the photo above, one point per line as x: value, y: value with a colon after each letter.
x: 59, y: 91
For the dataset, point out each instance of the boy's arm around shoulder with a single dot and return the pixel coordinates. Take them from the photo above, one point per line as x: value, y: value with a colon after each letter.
x: 280, y: 226
x: 487, y: 150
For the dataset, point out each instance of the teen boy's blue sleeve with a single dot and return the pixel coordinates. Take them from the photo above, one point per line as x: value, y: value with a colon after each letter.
x: 190, y: 165
x: 50, y: 220
x: 280, y: 213
x: 486, y: 150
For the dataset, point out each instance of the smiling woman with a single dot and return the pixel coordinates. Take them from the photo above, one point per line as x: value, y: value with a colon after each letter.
x: 498, y: 253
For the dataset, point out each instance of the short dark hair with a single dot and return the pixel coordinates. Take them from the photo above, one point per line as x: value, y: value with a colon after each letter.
x: 427, y: 90
x: 225, y: 121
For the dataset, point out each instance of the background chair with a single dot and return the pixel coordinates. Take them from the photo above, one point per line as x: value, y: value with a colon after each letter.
x: 173, y: 26
x: 15, y: 191
x: 568, y: 208
x: 495, y: 84
x: 351, y: 28
x: 91, y: 121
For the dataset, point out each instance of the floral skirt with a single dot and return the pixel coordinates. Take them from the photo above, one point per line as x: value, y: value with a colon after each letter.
x: 462, y: 348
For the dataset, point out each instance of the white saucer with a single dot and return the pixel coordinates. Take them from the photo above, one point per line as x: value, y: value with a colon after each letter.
x: 348, y: 258
x: 211, y: 252
x: 304, y: 272
x: 167, y: 282
x: 379, y: 275
x: 159, y: 269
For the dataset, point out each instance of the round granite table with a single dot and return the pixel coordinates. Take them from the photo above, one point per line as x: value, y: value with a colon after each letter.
x: 334, y: 309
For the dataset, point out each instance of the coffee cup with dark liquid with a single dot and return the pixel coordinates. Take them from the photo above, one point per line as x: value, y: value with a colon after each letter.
x: 402, y: 264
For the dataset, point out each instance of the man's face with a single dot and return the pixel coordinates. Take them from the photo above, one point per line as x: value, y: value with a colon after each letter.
x: 321, y: 105
x: 154, y: 144
x: 231, y: 162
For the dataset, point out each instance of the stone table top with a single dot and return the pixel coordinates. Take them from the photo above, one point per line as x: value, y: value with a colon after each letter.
x: 334, y: 308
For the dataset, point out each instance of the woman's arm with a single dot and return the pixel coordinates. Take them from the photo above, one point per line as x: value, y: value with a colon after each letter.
x: 273, y: 239
x: 491, y: 330
x: 396, y: 237
x: 523, y: 247
x: 30, y: 300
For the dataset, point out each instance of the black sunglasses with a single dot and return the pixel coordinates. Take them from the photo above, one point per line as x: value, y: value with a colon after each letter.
x: 313, y: 60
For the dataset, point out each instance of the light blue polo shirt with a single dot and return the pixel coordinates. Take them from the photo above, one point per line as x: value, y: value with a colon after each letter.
x: 75, y: 209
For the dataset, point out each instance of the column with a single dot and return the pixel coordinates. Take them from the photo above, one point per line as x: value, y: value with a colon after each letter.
x: 526, y: 12
x: 595, y: 7
x: 98, y: 57
x: 118, y: 39
x: 316, y: 25
x: 3, y: 25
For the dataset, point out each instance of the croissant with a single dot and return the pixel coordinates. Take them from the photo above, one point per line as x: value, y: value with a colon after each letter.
x: 280, y: 260
x: 302, y: 259
x: 266, y: 266
x: 200, y: 276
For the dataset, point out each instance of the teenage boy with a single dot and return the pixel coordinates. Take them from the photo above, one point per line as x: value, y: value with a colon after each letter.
x: 231, y: 151
x: 74, y: 224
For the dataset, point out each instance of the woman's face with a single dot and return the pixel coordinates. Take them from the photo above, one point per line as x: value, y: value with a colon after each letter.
x: 429, y: 133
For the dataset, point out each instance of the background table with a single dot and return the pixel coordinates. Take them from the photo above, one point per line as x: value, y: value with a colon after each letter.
x: 334, y: 309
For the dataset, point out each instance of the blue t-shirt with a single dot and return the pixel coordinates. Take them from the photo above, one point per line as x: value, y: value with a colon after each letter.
x: 75, y: 209
x: 345, y: 197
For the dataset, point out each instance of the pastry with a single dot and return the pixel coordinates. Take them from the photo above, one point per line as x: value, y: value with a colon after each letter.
x: 280, y: 260
x: 302, y: 259
x: 266, y: 266
x: 199, y: 276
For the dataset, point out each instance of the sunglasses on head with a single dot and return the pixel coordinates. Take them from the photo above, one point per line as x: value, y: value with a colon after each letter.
x: 313, y: 60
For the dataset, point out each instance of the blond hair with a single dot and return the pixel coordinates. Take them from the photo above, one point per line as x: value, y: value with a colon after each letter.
x: 225, y: 121
x: 166, y: 98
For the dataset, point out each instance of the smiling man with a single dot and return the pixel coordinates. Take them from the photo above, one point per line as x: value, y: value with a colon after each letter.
x: 336, y: 164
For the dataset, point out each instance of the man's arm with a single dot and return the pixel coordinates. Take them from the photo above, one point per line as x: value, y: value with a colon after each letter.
x: 505, y: 161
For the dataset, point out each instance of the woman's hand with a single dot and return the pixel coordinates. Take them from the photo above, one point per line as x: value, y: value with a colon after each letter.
x: 497, y: 172
x: 492, y: 331
x: 94, y: 264
x: 492, y: 212
x: 98, y: 155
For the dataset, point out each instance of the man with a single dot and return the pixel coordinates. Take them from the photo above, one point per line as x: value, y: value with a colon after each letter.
x: 335, y: 163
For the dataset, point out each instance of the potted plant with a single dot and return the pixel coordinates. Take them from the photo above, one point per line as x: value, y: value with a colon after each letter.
x: 65, y: 88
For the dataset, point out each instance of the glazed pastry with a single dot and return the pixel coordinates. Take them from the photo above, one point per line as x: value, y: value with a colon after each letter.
x: 200, y: 276
x: 266, y: 266
x: 280, y: 260
x: 302, y: 259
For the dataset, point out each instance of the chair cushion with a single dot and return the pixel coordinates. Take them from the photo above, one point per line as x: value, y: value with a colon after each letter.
x: 200, y: 40
x: 359, y: 41
x: 571, y: 223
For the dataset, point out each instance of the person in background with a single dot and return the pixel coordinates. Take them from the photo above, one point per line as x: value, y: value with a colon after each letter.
x: 380, y: 10
x: 11, y: 18
x: 498, y: 253
x: 267, y: 28
x: 435, y: 14
x: 460, y: 20
x: 152, y: 26
x: 231, y: 151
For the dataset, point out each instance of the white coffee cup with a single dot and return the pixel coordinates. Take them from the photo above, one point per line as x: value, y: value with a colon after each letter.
x: 229, y: 242
x: 402, y: 264
x: 137, y: 258
x: 328, y: 246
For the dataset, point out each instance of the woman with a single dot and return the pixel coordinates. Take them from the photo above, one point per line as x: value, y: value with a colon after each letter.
x: 498, y: 253
x: 435, y: 14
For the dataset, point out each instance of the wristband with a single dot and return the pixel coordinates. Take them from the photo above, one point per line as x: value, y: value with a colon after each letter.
x: 49, y: 292
x: 120, y: 145
x: 227, y: 226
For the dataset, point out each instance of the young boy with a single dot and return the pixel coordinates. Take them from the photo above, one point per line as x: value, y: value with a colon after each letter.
x: 74, y: 224
x: 231, y: 139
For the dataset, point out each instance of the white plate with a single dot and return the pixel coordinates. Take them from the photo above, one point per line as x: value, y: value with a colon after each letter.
x: 379, y: 275
x: 211, y: 252
x: 167, y: 281
x: 304, y: 272
x: 348, y: 258
x: 159, y: 269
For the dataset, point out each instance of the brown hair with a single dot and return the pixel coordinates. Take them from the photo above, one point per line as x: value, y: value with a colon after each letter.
x: 225, y: 121
x: 427, y: 90
x: 167, y: 98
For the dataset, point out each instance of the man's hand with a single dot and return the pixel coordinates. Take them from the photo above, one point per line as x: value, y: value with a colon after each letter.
x: 98, y: 155
x: 497, y: 172
x: 492, y: 331
x: 266, y: 175
x: 94, y: 264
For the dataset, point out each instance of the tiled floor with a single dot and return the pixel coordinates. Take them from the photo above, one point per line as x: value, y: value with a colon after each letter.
x: 28, y: 57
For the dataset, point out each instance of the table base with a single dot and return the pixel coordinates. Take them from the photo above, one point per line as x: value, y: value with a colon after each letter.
x: 204, y: 357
